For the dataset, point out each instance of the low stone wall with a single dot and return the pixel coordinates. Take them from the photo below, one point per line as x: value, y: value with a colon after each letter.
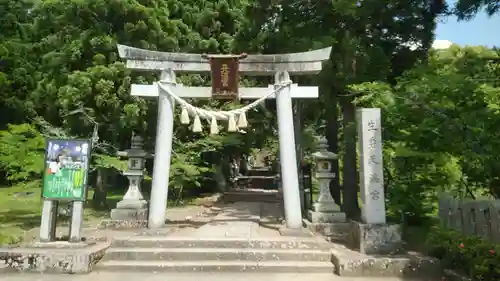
x: 375, y: 239
x: 56, y: 257
x: 123, y: 224
x: 350, y: 263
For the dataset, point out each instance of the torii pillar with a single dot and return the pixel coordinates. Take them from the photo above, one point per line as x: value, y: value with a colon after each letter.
x: 281, y: 66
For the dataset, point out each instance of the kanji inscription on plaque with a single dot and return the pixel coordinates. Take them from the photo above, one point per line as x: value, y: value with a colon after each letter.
x: 224, y: 71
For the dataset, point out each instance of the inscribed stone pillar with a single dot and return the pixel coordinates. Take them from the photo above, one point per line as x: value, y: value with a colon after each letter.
x: 373, y: 236
x: 371, y: 165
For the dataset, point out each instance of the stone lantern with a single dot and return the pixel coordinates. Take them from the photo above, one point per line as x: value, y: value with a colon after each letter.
x: 325, y: 210
x: 133, y: 206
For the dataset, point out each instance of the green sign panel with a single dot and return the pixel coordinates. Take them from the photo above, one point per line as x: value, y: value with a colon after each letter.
x: 66, y: 169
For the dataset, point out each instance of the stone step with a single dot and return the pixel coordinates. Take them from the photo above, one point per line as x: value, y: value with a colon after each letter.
x: 248, y: 196
x: 221, y: 254
x: 233, y: 199
x: 261, y: 196
x: 217, y: 266
x: 261, y: 172
x: 224, y: 242
x: 262, y: 183
x: 256, y: 191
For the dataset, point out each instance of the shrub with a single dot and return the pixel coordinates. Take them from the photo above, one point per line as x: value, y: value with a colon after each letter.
x: 21, y: 153
x: 477, y: 258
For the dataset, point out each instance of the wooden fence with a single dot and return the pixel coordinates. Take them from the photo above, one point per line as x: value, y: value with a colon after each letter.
x: 471, y: 217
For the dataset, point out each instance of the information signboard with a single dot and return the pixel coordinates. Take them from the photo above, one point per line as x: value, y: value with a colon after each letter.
x: 66, y: 169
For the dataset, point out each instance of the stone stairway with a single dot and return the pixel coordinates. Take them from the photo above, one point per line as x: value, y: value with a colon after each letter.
x: 253, y: 195
x: 178, y: 254
x: 259, y: 185
x: 261, y: 178
x: 234, y: 241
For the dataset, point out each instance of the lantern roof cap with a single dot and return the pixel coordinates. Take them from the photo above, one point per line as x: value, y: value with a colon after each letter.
x: 323, y: 153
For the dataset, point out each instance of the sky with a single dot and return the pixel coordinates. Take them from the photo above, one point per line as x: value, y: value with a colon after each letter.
x: 482, y: 30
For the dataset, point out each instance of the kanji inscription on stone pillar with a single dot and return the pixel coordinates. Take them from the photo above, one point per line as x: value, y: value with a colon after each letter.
x: 371, y: 165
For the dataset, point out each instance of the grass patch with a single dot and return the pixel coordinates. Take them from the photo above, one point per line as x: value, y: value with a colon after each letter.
x: 21, y: 210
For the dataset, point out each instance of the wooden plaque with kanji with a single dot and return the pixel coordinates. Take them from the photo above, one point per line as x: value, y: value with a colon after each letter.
x: 225, y: 77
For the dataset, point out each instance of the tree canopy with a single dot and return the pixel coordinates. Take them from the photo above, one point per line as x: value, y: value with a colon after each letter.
x: 60, y: 75
x: 467, y: 9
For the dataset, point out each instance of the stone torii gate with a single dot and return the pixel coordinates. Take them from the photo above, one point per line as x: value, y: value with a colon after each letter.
x: 279, y: 65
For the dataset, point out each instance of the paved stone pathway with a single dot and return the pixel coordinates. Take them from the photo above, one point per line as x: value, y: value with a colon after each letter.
x: 236, y: 220
x: 109, y: 276
x: 246, y: 220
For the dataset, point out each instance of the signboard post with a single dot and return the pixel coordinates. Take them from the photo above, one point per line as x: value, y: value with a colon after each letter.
x: 65, y: 178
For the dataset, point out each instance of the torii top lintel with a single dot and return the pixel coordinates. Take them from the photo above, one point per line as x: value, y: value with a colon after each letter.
x: 303, y: 63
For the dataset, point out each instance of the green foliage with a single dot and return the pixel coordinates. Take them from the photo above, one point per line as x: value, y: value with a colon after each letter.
x: 106, y: 161
x: 64, y: 59
x: 468, y: 9
x: 21, y: 153
x: 439, y: 134
x: 187, y: 168
x: 477, y: 258
x: 17, y: 62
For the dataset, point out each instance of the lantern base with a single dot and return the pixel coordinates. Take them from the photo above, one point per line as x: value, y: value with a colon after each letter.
x: 130, y: 210
x: 132, y: 204
x: 326, y: 217
x: 129, y: 214
x: 326, y: 207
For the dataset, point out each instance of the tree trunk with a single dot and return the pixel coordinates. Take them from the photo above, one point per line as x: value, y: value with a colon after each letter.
x: 331, y: 134
x: 350, y: 174
x: 220, y: 177
x: 99, y: 198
